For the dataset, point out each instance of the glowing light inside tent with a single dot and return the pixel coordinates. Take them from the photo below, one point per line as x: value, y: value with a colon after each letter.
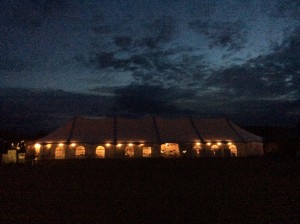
x: 198, y: 143
x: 107, y: 144
x: 119, y: 145
x: 130, y: 144
x: 48, y: 146
x: 141, y: 145
x: 233, y: 150
x: 37, y: 147
x: 219, y: 143
x: 100, y: 151
x: 80, y: 151
x: 170, y: 150
x: 229, y: 143
x: 60, y: 144
x: 129, y: 151
x: 73, y: 145
x: 208, y: 143
x: 147, y: 151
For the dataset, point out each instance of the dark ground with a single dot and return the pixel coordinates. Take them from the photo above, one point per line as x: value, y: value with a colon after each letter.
x: 237, y: 190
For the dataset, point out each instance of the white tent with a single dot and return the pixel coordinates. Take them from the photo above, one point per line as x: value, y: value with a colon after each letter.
x: 112, y: 137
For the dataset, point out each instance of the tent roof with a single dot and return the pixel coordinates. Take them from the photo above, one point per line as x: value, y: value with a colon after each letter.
x: 148, y: 129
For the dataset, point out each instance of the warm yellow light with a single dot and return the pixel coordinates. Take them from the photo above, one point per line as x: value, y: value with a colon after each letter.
x: 198, y: 143
x: 219, y: 143
x: 141, y: 145
x: 107, y: 144
x: 167, y: 144
x: 208, y: 143
x: 48, y: 146
x: 60, y: 144
x: 130, y: 144
x: 73, y: 145
x: 184, y: 151
x: 229, y: 143
x: 119, y: 145
x: 37, y: 147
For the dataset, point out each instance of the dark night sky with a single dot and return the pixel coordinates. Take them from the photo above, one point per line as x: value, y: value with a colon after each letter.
x: 239, y: 59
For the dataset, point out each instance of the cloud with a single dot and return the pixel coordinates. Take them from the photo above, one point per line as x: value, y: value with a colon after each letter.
x: 9, y: 64
x: 137, y: 99
x: 102, y: 29
x: 287, y: 9
x: 103, y: 59
x: 123, y: 41
x: 31, y: 14
x: 228, y: 35
x: 25, y: 110
x: 21, y: 14
x: 158, y: 32
x: 274, y: 76
x: 202, y: 8
x: 54, y: 7
x: 170, y: 67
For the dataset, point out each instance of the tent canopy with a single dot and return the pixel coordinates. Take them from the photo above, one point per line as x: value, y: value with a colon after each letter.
x: 148, y: 129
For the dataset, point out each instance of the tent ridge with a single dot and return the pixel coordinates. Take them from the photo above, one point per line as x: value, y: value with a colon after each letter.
x: 196, y: 130
x: 156, y: 129
x: 115, y: 130
x: 235, y: 131
x: 72, y: 130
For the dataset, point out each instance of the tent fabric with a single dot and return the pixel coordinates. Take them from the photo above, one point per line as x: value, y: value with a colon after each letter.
x: 221, y: 129
x: 136, y: 130
x: 176, y: 130
x: 148, y: 129
x: 92, y: 129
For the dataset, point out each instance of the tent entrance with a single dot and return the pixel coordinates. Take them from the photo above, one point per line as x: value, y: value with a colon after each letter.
x: 147, y: 152
x: 60, y: 152
x: 170, y: 150
x: 129, y: 151
x: 100, y: 152
x: 233, y: 150
x: 80, y: 151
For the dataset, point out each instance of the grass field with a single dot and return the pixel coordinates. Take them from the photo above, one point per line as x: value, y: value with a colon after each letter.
x: 236, y: 190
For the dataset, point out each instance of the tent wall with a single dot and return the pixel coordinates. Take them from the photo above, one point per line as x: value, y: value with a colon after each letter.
x: 136, y: 151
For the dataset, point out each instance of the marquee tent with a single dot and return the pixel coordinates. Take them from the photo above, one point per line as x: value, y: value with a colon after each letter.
x: 114, y: 137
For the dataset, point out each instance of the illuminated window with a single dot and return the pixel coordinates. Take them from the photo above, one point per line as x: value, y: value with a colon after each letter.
x: 170, y: 150
x: 214, y: 147
x: 233, y: 150
x: 129, y: 151
x: 59, y: 153
x: 196, y: 149
x: 100, y: 152
x: 147, y: 151
x: 37, y: 147
x: 216, y: 150
x: 80, y: 151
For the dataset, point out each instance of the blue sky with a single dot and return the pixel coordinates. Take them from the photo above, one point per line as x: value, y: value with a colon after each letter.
x: 215, y: 58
